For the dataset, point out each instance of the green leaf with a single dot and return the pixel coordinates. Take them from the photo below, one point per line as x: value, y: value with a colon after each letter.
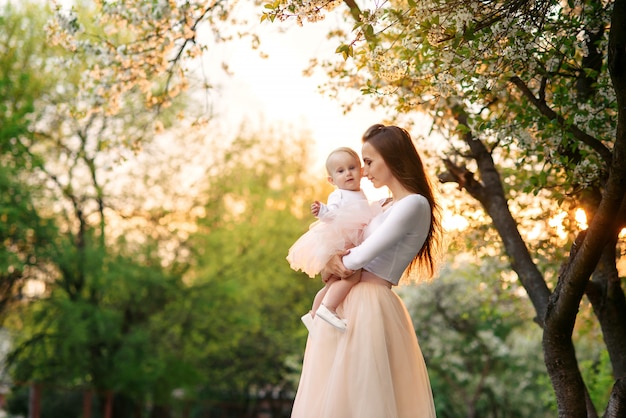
x: 345, y: 50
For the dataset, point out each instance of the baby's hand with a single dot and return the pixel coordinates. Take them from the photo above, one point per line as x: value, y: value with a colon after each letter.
x: 315, y: 208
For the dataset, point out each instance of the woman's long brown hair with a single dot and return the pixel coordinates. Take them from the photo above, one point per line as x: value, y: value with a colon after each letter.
x: 395, y: 146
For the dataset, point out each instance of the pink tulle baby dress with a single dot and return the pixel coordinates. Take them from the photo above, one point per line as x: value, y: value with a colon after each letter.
x: 340, y: 226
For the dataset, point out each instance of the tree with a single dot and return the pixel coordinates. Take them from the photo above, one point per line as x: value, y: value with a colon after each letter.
x: 84, y: 330
x: 256, y: 206
x: 153, y: 49
x: 524, y: 81
x: 26, y: 235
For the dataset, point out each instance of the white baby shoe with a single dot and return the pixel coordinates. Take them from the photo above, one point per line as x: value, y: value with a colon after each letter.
x: 331, y: 317
x: 307, y: 319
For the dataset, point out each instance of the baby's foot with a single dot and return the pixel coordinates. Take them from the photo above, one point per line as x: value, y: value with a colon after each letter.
x: 331, y: 317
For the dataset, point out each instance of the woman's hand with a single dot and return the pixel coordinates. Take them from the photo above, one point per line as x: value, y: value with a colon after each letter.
x: 335, y: 267
x: 326, y: 275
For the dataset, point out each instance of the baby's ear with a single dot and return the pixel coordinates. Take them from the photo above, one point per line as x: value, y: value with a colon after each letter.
x: 330, y: 180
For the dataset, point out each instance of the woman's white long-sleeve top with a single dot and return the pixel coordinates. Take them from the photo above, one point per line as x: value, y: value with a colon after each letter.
x: 392, y: 239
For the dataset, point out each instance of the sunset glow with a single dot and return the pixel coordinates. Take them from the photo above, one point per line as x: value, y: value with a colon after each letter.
x: 454, y: 222
x: 581, y: 218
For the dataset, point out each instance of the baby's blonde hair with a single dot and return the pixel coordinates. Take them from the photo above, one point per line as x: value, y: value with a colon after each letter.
x: 342, y: 149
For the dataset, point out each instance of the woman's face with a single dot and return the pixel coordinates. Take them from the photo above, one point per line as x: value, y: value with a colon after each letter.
x: 374, y: 167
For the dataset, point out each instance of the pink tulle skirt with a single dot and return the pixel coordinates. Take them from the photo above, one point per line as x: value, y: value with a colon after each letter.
x: 342, y: 229
x: 373, y: 370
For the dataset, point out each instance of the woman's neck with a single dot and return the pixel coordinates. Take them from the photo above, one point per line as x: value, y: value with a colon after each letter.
x: 398, y: 191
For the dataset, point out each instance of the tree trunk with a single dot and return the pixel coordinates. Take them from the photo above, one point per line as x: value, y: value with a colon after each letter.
x: 34, y: 401
x: 187, y: 410
x: 490, y: 194
x: 617, y: 402
x: 559, y: 353
x: 108, y: 404
x: 87, y: 401
x: 160, y: 411
x: 617, y: 69
x: 609, y: 305
x: 561, y: 362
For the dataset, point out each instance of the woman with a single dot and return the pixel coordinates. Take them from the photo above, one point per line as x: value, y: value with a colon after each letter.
x: 375, y: 369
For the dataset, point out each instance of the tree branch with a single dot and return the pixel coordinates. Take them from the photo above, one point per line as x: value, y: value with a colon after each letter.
x: 545, y: 110
x: 490, y: 193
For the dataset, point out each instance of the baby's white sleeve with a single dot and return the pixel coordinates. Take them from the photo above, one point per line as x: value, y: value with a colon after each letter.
x: 323, y: 211
x: 333, y: 202
x: 404, y: 217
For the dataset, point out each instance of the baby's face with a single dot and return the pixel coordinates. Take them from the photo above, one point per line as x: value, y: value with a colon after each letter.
x: 345, y: 171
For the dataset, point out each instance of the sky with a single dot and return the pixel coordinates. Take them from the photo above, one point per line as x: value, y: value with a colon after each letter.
x: 276, y: 90
x: 276, y: 85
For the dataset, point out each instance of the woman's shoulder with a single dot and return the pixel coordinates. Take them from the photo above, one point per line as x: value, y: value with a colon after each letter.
x: 413, y: 203
x: 411, y: 200
x: 414, y: 199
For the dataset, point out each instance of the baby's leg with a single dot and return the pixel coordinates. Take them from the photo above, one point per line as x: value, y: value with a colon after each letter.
x: 317, y: 301
x: 336, y: 293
